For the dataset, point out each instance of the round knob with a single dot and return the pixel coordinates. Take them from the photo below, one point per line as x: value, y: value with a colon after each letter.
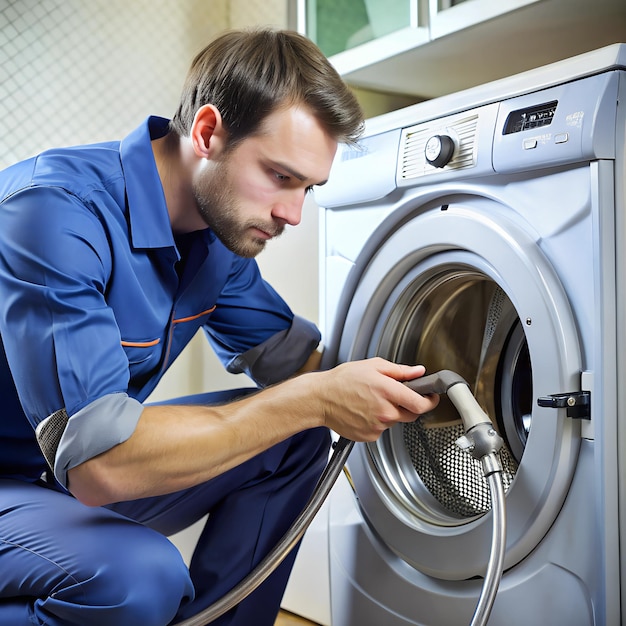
x: 439, y: 150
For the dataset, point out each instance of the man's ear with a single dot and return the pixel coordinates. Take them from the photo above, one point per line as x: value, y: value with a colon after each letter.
x: 208, y: 135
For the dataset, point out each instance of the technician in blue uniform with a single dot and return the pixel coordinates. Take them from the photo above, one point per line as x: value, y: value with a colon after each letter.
x: 112, y: 256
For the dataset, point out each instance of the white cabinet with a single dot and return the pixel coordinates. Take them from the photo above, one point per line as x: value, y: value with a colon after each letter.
x: 428, y: 48
x: 449, y: 16
x: 339, y: 25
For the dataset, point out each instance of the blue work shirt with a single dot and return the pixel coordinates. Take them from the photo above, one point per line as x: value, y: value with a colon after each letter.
x: 98, y: 297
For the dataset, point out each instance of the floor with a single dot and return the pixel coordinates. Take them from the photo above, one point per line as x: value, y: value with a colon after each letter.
x: 289, y: 619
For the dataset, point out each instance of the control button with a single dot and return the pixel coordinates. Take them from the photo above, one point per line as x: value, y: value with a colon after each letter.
x: 529, y: 144
x: 439, y: 150
x: 561, y: 138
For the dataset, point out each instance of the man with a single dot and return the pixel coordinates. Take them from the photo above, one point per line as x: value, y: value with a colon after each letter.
x: 111, y: 257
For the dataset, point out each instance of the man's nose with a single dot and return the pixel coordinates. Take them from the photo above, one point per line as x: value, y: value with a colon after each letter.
x: 288, y: 208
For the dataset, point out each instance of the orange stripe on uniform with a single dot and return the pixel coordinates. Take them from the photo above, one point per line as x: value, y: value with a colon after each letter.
x: 140, y: 344
x: 194, y: 317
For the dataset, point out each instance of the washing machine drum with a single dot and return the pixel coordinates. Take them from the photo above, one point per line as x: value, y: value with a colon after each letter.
x: 478, y: 316
x: 467, y: 290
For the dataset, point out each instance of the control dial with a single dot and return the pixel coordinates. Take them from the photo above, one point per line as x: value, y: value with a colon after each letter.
x: 439, y: 150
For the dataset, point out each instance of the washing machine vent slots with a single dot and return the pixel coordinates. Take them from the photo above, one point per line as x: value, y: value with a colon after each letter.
x: 412, y: 162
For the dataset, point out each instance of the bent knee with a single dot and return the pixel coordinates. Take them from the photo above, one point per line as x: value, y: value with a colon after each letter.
x: 153, y: 584
x: 143, y: 583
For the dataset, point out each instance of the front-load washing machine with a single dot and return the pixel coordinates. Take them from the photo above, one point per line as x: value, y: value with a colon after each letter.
x: 484, y: 233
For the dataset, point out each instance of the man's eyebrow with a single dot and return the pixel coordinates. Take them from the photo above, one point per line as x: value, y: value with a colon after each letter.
x: 297, y: 174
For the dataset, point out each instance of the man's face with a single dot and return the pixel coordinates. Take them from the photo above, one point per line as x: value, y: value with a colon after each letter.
x: 255, y: 190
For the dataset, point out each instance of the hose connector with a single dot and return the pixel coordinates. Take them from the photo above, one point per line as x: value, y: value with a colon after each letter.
x: 481, y: 442
x: 459, y: 393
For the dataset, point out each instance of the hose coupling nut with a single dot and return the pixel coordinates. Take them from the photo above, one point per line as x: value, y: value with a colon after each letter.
x: 480, y: 441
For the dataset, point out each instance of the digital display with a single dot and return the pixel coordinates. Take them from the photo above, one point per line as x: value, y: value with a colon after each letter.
x: 532, y: 117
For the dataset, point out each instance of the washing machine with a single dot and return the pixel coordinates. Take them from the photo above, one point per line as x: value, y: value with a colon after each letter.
x: 484, y: 232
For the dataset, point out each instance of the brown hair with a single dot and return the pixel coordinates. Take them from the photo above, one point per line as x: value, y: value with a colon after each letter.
x: 249, y: 74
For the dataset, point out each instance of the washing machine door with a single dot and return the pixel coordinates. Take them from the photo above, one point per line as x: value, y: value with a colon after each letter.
x: 463, y: 285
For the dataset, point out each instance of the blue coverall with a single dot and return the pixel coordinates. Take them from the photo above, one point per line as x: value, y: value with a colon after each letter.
x: 97, y: 298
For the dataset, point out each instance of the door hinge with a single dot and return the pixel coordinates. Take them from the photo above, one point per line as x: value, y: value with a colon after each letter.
x: 577, y: 403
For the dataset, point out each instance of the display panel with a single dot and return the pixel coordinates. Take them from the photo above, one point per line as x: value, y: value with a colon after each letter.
x: 531, y: 117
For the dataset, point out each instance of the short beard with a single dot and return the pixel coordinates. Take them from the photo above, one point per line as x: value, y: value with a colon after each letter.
x: 218, y: 209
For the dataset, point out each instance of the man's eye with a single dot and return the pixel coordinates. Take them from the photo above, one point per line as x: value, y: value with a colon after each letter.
x: 281, y: 177
x: 309, y: 189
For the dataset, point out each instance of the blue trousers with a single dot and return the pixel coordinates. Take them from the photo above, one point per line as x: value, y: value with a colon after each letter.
x: 63, y: 563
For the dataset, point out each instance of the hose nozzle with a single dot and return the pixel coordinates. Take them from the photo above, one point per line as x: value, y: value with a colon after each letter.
x: 480, y: 437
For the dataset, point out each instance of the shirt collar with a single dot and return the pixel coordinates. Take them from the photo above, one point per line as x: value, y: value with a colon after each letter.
x: 149, y: 219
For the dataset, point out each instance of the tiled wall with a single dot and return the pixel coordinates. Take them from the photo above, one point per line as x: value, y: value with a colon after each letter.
x: 76, y: 71
x: 245, y: 13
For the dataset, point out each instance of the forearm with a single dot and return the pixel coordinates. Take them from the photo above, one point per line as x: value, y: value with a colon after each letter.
x: 176, y: 447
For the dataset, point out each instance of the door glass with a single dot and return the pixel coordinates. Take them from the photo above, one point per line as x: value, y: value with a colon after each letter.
x: 337, y: 25
x: 457, y: 319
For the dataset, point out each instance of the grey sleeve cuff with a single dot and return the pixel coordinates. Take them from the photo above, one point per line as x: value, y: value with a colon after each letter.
x: 280, y: 356
x: 98, y: 427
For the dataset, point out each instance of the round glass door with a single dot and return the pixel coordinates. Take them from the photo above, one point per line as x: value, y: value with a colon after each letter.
x: 455, y: 318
